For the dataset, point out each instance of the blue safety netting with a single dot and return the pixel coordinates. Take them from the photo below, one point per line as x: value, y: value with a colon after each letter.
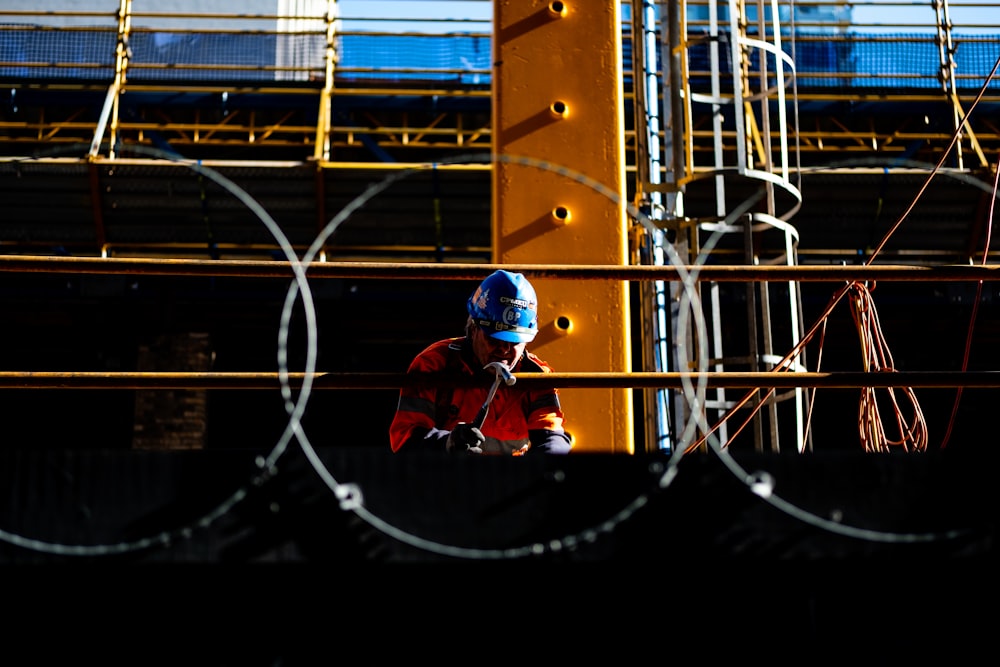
x: 822, y: 60
x: 456, y: 57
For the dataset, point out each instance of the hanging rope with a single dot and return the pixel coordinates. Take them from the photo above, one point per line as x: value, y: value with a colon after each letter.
x: 911, y: 426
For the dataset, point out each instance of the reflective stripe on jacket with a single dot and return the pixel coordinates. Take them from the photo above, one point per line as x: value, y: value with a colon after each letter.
x: 518, y: 417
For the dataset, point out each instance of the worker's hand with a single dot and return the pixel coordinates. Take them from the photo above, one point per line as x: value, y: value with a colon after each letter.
x: 465, y: 438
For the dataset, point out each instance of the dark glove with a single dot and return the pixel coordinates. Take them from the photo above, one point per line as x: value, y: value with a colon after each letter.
x: 465, y: 438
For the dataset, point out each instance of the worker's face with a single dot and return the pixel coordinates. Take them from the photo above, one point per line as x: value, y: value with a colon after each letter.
x: 489, y: 349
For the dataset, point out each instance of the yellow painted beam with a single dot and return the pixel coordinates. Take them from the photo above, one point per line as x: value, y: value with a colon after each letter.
x: 559, y: 193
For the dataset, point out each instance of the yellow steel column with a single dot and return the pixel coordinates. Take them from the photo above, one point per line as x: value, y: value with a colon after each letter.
x: 557, y: 103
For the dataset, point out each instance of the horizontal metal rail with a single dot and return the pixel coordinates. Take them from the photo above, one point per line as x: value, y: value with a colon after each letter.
x: 326, y: 381
x: 474, y: 271
x: 918, y: 26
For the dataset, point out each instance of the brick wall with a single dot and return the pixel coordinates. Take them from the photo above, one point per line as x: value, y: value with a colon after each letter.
x: 172, y: 418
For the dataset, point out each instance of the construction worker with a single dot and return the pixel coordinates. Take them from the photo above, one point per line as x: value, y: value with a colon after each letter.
x: 515, y: 420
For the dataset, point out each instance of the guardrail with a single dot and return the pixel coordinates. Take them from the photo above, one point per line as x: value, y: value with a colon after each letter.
x: 925, y: 45
x: 131, y: 49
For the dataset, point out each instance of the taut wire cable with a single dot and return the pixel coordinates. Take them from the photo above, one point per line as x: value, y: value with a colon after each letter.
x: 975, y: 306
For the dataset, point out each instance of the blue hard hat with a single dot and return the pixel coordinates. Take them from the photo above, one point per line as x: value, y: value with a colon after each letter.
x: 505, y: 307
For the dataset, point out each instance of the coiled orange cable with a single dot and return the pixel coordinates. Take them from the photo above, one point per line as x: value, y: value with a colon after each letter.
x: 912, y: 433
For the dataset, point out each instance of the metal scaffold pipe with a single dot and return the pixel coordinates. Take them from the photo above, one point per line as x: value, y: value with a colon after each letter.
x: 472, y: 271
x: 332, y: 381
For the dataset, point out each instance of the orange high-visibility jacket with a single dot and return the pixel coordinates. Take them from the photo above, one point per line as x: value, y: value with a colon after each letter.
x: 519, y: 419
